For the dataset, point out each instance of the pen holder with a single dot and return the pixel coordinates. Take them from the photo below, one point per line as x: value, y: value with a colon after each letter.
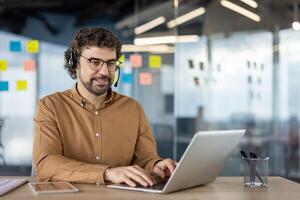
x: 256, y: 172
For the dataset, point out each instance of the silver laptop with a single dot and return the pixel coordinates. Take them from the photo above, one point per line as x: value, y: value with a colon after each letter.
x: 200, y: 164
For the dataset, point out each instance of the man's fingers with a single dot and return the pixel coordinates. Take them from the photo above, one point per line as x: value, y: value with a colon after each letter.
x: 142, y: 170
x: 175, y: 163
x: 145, y: 173
x: 136, y: 178
x: 129, y: 182
x: 160, y: 172
x: 142, y: 173
x: 170, y: 165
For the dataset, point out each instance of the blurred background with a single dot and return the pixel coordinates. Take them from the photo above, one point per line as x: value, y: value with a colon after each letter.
x: 193, y: 65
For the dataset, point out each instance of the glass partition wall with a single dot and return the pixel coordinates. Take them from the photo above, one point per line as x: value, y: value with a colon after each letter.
x: 239, y: 73
x: 193, y: 65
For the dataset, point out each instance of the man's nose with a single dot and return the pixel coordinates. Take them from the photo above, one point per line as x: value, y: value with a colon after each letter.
x: 104, y: 70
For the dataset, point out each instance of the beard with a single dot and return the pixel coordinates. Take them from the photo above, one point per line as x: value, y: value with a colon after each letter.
x: 97, y: 85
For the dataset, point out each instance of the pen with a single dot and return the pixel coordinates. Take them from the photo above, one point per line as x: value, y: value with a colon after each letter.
x: 252, y: 169
x: 258, y: 176
x: 244, y: 155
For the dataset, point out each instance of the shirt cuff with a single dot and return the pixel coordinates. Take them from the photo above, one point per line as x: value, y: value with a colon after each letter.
x: 150, y: 165
x: 97, y: 176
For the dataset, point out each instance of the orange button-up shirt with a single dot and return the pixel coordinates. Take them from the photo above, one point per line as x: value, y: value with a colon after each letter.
x: 75, y: 142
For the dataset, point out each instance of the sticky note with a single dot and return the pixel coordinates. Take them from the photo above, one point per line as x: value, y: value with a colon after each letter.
x: 127, y: 78
x: 136, y: 60
x: 15, y: 46
x: 21, y: 85
x: 145, y: 78
x: 32, y: 46
x: 122, y: 60
x: 191, y: 64
x: 254, y: 64
x: 3, y: 86
x: 154, y: 61
x: 196, y: 81
x: 29, y: 65
x: 248, y: 64
x: 201, y: 66
x: 3, y: 65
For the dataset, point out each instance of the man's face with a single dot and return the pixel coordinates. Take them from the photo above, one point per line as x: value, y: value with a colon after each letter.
x: 96, y: 82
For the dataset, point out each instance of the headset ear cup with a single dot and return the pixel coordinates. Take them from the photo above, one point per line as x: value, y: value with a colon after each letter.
x: 73, y: 60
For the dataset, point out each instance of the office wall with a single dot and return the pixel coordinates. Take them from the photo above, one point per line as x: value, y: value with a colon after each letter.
x: 17, y: 107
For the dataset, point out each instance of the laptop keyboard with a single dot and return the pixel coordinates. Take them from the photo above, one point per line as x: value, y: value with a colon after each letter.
x: 160, y: 183
x: 157, y: 186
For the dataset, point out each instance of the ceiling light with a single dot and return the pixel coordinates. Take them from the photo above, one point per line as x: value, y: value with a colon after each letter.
x: 251, y: 3
x: 186, y: 17
x: 166, y: 39
x: 296, y: 26
x: 149, y: 25
x: 147, y: 48
x: 176, y: 3
x: 240, y: 10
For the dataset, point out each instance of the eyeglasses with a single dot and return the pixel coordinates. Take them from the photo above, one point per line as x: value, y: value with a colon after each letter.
x: 97, y: 64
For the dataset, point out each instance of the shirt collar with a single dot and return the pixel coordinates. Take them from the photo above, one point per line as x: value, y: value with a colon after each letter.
x: 79, y: 99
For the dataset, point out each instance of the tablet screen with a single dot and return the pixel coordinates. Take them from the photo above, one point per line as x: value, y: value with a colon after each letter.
x: 53, y: 187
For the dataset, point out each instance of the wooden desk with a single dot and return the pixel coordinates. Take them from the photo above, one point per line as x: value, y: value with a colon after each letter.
x: 223, y: 188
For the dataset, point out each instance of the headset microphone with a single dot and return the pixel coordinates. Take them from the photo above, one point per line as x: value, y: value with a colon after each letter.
x: 116, y: 83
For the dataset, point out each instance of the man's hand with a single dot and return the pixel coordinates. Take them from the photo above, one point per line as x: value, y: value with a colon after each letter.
x: 131, y: 175
x: 164, y: 168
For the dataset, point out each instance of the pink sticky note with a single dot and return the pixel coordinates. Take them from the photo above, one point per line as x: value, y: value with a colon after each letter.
x: 136, y: 60
x: 145, y: 78
x: 29, y: 65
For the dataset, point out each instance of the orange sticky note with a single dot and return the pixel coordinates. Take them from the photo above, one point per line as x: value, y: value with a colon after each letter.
x: 154, y: 61
x: 32, y: 46
x: 21, y: 85
x: 136, y: 60
x: 29, y: 65
x: 3, y: 65
x: 145, y: 78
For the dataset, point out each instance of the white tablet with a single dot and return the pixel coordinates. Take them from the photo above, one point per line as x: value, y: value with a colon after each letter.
x: 52, y: 187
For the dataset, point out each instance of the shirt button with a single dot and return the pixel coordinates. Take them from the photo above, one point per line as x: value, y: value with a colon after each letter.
x: 97, y: 134
x: 96, y: 112
x: 97, y: 157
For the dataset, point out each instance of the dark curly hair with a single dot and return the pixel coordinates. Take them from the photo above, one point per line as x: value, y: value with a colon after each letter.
x: 99, y: 37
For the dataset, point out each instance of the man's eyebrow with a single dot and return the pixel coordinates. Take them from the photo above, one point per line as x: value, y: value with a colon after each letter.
x: 94, y: 58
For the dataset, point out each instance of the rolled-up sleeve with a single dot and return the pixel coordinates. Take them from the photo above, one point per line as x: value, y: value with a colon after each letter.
x: 48, y: 160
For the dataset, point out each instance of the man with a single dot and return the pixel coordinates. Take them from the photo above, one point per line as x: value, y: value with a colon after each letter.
x: 90, y: 134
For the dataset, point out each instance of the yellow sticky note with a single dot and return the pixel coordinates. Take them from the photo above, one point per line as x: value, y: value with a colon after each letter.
x: 21, y: 85
x: 122, y: 60
x: 32, y: 46
x: 154, y: 61
x: 3, y: 65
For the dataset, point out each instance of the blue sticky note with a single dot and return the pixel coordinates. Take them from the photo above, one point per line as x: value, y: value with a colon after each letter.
x: 3, y: 86
x: 15, y: 46
x: 127, y: 78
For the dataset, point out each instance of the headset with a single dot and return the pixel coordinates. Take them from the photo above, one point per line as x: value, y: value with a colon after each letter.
x: 73, y: 61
